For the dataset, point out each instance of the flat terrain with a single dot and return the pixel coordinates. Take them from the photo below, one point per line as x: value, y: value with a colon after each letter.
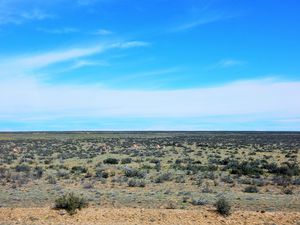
x: 129, y: 216
x: 151, y: 177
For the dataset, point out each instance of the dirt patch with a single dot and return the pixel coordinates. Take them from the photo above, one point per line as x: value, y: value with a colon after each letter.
x: 126, y: 216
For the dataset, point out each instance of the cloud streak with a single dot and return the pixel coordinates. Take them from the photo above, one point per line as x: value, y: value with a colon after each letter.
x: 203, y: 19
x: 33, y: 62
x: 257, y: 97
x: 17, y: 18
x: 65, y: 30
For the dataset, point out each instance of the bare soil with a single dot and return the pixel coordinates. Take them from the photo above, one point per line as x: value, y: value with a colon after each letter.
x: 126, y: 216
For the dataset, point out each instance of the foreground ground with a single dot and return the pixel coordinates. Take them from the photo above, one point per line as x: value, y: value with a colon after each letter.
x: 124, y: 216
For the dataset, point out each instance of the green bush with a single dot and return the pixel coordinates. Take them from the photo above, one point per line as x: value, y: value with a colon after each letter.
x: 163, y: 177
x: 136, y: 183
x: 70, y: 202
x: 126, y: 160
x: 78, y: 169
x: 111, y: 161
x: 23, y: 168
x: 51, y: 179
x: 100, y: 173
x: 129, y: 172
x: 223, y: 206
x: 251, y: 189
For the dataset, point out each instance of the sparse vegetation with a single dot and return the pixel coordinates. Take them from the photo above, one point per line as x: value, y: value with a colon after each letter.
x: 251, y: 189
x: 223, y: 206
x: 151, y: 169
x: 70, y: 202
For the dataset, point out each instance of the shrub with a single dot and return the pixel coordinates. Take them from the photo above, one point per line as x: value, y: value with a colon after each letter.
x: 70, y: 202
x: 244, y: 168
x: 199, y: 202
x: 223, y: 206
x: 227, y: 179
x: 100, y: 173
x: 126, y: 161
x: 287, y: 169
x: 38, y: 172
x: 136, y: 183
x: 287, y: 191
x: 23, y: 168
x: 180, y: 179
x: 251, y: 189
x: 129, y: 172
x: 282, y: 180
x: 78, y: 169
x: 163, y: 177
x: 207, y: 189
x: 88, y: 185
x: 171, y: 205
x: 63, y: 174
x: 111, y: 161
x: 51, y: 179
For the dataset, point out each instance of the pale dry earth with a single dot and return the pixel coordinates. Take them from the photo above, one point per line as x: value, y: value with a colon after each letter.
x: 130, y: 216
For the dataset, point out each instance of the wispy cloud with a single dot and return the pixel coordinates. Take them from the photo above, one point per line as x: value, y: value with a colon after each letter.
x: 19, y: 17
x: 65, y: 30
x: 195, y: 23
x: 102, y: 32
x: 92, y: 2
x: 37, y: 61
x: 226, y: 63
x: 36, y: 14
x: 147, y: 74
x: 200, y: 17
x: 87, y: 63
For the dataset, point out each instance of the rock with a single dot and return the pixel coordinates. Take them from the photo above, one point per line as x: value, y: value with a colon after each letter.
x: 62, y: 212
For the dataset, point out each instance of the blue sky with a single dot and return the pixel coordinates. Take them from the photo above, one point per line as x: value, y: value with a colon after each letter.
x: 149, y: 65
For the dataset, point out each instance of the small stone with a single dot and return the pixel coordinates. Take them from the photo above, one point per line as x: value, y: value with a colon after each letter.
x: 62, y: 212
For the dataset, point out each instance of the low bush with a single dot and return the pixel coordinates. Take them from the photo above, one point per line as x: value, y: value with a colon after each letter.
x: 78, y: 169
x: 51, y: 179
x: 223, y: 206
x: 288, y: 191
x: 129, y: 172
x: 38, y: 172
x: 126, y: 161
x: 199, y: 202
x: 136, y: 183
x: 23, y: 168
x: 251, y: 189
x: 70, y: 202
x: 163, y: 177
x: 111, y: 161
x: 100, y: 173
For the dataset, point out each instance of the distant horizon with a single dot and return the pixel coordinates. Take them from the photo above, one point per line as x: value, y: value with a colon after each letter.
x: 153, y: 131
x: 149, y: 65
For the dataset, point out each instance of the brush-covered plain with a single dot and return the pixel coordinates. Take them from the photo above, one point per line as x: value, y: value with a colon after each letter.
x: 170, y: 170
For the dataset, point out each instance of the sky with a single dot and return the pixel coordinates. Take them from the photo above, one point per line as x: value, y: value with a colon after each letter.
x: 149, y: 65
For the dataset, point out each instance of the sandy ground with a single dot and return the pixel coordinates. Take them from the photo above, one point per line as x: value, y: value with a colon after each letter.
x: 126, y: 216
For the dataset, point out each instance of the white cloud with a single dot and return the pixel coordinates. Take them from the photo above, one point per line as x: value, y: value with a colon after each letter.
x: 226, y: 63
x: 36, y: 14
x: 37, y: 61
x: 92, y: 2
x: 102, y: 32
x: 19, y: 17
x: 65, y: 30
x: 276, y: 99
x: 85, y: 63
x: 132, y: 76
x: 203, y: 19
